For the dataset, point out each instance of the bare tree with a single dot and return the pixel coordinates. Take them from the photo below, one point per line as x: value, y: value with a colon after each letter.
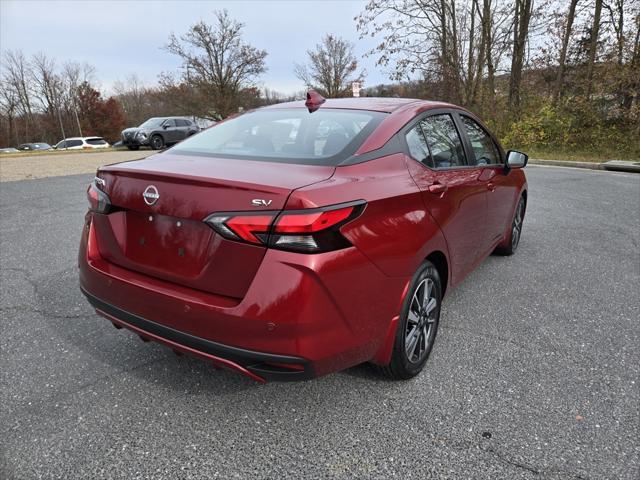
x: 331, y: 67
x: 565, y: 45
x: 522, y: 18
x: 593, y: 45
x: 216, y: 60
x: 616, y: 16
x: 17, y: 77
x: 9, y: 106
x: 418, y: 37
x: 450, y: 45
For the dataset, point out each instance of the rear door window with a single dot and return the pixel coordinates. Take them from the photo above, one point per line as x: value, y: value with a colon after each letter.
x: 444, y: 141
x: 96, y: 141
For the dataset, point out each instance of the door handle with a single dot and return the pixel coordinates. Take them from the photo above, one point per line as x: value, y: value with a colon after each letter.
x: 437, y: 188
x: 491, y: 186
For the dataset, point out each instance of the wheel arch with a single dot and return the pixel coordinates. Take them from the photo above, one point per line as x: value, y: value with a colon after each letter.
x: 439, y: 260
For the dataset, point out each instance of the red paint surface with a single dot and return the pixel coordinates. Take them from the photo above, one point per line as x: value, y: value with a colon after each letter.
x: 335, y: 309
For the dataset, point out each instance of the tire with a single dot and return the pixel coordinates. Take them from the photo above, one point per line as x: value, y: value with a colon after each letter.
x: 413, y: 342
x: 156, y: 142
x: 133, y: 147
x: 510, y: 246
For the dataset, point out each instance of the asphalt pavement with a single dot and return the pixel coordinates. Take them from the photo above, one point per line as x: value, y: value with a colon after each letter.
x: 535, y: 371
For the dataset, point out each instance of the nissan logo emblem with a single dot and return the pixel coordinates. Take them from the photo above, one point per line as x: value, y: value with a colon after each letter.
x: 150, y: 195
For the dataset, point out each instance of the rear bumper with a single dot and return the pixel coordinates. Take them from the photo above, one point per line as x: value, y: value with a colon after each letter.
x: 256, y: 365
x: 302, y: 316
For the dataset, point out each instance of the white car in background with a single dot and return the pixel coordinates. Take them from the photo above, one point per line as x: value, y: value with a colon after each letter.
x: 80, y: 143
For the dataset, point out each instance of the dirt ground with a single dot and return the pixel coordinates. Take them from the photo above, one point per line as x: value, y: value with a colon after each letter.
x: 52, y: 165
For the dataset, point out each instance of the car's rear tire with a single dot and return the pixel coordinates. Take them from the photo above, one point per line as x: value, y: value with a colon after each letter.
x: 417, y: 325
x: 510, y: 246
x: 133, y: 147
x: 156, y: 142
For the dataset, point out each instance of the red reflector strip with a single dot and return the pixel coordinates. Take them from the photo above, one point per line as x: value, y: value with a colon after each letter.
x: 311, y: 222
x: 289, y: 366
x: 246, y: 226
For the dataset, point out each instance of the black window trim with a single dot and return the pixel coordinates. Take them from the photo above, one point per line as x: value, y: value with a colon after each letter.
x: 430, y: 113
x: 466, y: 143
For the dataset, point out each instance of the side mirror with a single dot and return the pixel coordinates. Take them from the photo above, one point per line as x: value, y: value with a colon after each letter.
x: 516, y: 159
x: 165, y: 126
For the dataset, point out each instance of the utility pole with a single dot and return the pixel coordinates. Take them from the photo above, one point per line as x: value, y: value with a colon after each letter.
x: 75, y: 111
x: 61, y: 126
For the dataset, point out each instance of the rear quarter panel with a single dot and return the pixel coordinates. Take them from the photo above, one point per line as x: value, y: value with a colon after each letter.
x: 395, y: 231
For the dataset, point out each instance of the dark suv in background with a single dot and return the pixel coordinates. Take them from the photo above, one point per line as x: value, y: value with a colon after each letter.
x: 158, y: 132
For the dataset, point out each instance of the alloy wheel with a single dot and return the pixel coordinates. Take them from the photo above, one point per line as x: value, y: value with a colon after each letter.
x: 516, y: 229
x: 420, y: 320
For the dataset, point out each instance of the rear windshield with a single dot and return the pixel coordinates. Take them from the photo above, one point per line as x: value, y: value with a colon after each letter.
x: 323, y: 137
x: 96, y: 141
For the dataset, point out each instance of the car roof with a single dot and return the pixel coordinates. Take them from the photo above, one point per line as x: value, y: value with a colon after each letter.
x: 78, y: 138
x: 378, y: 104
x: 166, y: 118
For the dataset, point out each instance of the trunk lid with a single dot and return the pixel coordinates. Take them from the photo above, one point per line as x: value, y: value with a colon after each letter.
x: 168, y: 239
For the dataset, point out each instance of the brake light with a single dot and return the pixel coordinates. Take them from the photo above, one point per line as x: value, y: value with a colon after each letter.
x: 98, y: 200
x: 310, y: 231
x: 250, y: 228
x: 310, y: 222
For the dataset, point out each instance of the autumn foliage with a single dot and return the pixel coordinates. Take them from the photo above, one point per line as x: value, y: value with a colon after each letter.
x: 99, y: 117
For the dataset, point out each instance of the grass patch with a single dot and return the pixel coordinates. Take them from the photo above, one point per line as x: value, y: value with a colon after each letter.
x: 577, y: 155
x: 36, y: 153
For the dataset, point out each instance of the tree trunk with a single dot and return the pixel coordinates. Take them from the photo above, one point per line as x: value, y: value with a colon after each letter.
x: 469, y: 87
x: 563, y: 52
x: 523, y: 10
x: 486, y: 24
x: 593, y: 46
x: 477, y: 87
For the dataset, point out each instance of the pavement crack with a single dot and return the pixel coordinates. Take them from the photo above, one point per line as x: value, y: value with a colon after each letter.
x: 530, y: 468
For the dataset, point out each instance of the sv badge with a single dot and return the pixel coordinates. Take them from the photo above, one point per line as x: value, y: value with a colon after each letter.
x: 259, y: 202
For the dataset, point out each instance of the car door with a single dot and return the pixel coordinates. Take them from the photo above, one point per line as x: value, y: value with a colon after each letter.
x: 501, y: 189
x: 181, y: 130
x: 452, y: 191
x: 171, y: 132
x: 186, y: 128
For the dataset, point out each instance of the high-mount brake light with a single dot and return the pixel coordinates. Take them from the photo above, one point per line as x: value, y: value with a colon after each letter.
x: 98, y: 200
x: 308, y: 231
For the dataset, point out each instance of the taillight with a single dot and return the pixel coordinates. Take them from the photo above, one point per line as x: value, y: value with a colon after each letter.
x: 98, y: 200
x: 309, y: 231
x: 245, y: 227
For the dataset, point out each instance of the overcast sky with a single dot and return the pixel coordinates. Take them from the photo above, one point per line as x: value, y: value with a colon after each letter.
x: 120, y: 38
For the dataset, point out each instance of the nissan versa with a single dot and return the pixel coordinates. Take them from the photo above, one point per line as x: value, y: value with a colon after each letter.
x: 303, y: 238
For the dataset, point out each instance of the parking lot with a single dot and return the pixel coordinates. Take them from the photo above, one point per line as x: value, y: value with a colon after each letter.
x: 535, y: 372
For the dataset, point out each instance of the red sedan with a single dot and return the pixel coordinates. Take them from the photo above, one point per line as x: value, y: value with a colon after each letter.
x: 303, y: 238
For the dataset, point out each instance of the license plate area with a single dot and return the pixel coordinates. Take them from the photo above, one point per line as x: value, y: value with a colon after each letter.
x: 169, y: 244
